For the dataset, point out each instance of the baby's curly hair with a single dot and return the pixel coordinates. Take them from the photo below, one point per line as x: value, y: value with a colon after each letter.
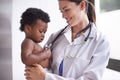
x: 31, y: 15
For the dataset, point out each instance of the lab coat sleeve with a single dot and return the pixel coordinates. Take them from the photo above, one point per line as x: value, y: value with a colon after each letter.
x: 95, y: 68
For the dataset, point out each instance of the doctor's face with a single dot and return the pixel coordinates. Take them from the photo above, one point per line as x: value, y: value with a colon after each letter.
x: 71, y: 12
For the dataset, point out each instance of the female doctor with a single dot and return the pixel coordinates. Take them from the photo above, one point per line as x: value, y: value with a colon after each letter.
x: 81, y: 52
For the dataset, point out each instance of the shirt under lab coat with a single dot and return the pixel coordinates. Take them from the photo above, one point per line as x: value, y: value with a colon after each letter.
x: 82, y: 60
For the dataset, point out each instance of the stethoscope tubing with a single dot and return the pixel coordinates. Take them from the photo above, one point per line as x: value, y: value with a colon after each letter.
x: 62, y: 31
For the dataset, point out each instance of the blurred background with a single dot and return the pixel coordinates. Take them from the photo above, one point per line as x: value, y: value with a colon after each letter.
x: 5, y: 40
x: 11, y: 67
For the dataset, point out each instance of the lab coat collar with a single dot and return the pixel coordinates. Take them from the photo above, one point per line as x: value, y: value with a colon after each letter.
x: 68, y: 34
x: 93, y: 31
x: 92, y: 34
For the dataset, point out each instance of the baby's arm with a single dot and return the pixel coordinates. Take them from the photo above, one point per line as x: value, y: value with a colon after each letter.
x: 27, y: 55
x: 44, y: 63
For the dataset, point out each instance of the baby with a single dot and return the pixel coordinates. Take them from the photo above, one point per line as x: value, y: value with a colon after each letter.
x: 34, y: 23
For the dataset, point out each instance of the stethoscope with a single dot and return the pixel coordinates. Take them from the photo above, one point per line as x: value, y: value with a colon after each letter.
x: 49, y: 46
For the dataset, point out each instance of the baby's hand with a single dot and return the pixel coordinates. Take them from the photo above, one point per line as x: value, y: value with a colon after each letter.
x: 47, y: 52
x: 47, y: 46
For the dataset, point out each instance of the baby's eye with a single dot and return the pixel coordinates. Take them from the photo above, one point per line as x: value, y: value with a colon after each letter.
x: 40, y: 31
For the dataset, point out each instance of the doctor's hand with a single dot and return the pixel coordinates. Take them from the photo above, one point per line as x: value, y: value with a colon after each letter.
x: 35, y: 72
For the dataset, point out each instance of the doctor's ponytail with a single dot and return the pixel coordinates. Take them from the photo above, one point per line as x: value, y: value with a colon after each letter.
x: 91, y: 12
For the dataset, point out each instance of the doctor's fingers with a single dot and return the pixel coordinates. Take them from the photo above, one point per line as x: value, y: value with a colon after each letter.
x: 27, y: 72
x: 28, y: 76
x: 27, y: 68
x: 30, y: 69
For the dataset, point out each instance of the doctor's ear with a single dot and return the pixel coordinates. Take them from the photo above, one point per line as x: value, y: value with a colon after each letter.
x: 82, y: 5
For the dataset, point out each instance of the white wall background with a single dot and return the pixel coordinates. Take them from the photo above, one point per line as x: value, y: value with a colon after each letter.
x: 109, y: 24
x: 19, y: 6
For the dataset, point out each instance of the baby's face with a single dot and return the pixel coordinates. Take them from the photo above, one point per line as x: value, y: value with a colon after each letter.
x: 38, y: 31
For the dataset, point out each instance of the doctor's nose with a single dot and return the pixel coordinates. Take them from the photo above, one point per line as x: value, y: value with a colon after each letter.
x: 64, y: 15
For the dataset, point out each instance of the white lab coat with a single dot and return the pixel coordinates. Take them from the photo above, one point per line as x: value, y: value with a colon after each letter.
x: 83, y: 60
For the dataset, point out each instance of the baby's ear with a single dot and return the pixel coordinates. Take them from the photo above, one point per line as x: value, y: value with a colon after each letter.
x: 27, y: 29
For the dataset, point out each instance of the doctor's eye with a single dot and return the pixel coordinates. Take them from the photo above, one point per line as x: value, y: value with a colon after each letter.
x: 66, y: 10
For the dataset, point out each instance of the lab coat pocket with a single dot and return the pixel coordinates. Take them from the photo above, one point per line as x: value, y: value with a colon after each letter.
x: 75, y: 66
